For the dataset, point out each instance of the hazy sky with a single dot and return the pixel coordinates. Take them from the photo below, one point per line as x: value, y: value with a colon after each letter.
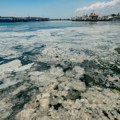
x: 54, y: 8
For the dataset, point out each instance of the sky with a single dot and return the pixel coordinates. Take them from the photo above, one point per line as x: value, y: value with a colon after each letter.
x: 57, y: 8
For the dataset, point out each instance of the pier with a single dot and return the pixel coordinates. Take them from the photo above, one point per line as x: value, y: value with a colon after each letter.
x: 22, y: 19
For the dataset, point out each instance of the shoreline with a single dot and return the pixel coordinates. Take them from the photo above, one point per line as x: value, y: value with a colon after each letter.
x: 92, y: 18
x: 9, y: 20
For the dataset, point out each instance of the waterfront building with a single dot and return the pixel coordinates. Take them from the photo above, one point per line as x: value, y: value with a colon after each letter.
x: 22, y: 19
x: 116, y: 18
x: 93, y: 17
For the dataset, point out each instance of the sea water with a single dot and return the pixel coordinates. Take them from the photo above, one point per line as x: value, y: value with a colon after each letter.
x: 54, y: 41
x: 74, y: 63
x: 94, y: 36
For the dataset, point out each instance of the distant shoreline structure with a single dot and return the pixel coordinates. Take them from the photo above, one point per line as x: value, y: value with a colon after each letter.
x: 94, y: 17
x: 22, y: 19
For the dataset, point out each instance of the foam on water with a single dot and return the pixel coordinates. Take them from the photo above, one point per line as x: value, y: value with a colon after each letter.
x: 67, y: 61
x: 88, y: 41
x: 97, y: 38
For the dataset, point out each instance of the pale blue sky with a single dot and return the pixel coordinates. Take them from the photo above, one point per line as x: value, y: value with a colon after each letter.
x: 44, y: 8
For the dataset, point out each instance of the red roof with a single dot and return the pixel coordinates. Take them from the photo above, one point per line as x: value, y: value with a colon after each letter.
x: 93, y: 15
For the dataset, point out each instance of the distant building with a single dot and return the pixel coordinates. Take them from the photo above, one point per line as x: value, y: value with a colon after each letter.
x: 93, y: 17
x: 85, y: 17
x: 116, y: 18
x: 22, y: 19
x: 6, y: 19
x: 76, y: 18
